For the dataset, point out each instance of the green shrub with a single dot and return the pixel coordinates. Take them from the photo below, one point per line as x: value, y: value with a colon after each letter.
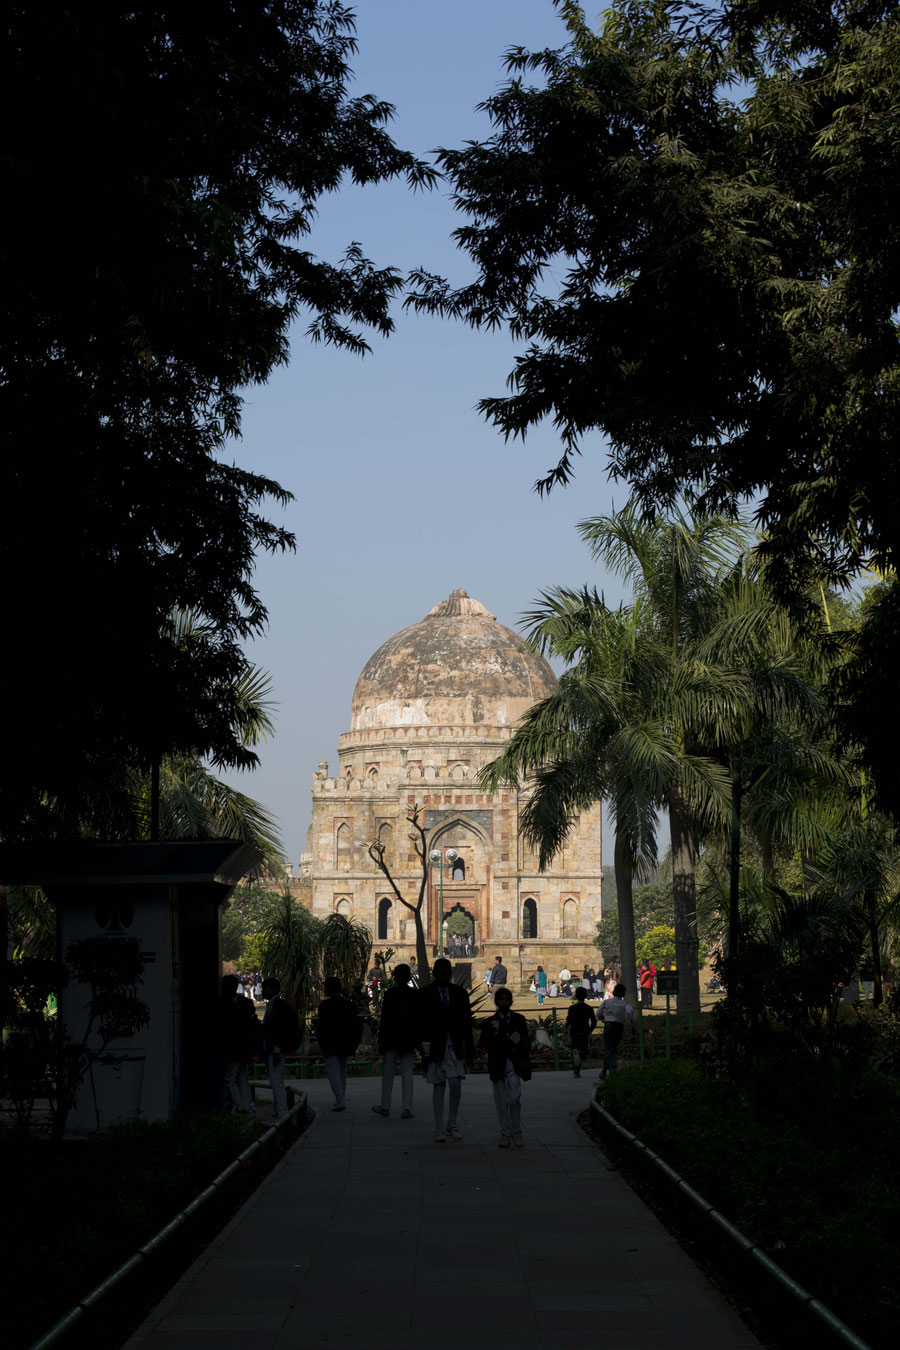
x: 802, y: 1157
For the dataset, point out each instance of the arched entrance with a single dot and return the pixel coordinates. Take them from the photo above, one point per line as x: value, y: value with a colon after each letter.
x: 466, y: 879
x: 460, y: 939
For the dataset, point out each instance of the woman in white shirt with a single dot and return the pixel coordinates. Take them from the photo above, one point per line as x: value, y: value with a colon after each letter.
x: 613, y: 1012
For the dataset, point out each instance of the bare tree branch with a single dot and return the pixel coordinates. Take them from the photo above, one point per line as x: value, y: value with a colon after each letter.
x: 418, y: 839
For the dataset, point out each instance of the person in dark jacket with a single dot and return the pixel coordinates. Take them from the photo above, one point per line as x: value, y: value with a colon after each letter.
x: 581, y: 1020
x: 398, y: 1036
x: 281, y: 1036
x: 446, y: 1023
x: 505, y: 1037
x: 338, y: 1030
x: 239, y: 1040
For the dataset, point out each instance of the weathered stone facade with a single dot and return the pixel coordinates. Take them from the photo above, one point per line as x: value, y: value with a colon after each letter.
x: 434, y: 705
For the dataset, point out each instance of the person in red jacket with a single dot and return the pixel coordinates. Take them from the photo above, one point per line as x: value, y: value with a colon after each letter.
x: 646, y: 976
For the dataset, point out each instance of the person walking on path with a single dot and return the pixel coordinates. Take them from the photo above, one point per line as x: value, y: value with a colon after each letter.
x: 281, y: 1036
x: 338, y: 1031
x: 505, y: 1037
x: 446, y: 1023
x: 646, y: 976
x: 581, y: 1020
x: 613, y: 1014
x: 398, y: 1036
x: 540, y: 984
x: 498, y: 976
x: 239, y: 1041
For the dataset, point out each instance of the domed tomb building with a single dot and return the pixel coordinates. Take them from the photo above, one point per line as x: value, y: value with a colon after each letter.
x: 436, y: 703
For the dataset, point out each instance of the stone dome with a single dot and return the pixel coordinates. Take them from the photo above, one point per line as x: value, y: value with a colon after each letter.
x: 456, y: 667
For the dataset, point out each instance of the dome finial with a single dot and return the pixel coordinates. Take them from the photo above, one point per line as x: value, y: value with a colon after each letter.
x: 459, y: 602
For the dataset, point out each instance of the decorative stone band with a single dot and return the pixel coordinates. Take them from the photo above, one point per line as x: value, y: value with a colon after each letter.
x: 402, y: 734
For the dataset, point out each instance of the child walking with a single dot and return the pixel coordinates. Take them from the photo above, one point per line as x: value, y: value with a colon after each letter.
x: 581, y: 1020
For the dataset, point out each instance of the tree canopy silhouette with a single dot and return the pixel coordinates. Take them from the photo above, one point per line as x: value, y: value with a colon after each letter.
x: 165, y: 164
x: 685, y: 220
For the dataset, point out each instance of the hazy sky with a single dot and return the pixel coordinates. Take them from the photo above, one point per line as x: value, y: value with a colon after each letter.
x: 402, y: 491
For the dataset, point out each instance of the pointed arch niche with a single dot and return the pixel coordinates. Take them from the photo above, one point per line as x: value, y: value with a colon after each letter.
x: 343, y: 847
x: 386, y: 839
x: 385, y: 905
x: 570, y: 918
x: 529, y: 918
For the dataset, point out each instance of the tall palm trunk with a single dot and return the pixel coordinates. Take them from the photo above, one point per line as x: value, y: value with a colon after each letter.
x: 684, y: 893
x: 624, y: 865
x: 870, y: 907
x: 154, y: 799
x: 734, y: 865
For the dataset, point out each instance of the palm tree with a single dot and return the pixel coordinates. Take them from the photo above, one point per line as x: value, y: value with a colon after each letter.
x: 776, y: 745
x: 290, y: 945
x: 345, y: 946
x: 605, y: 732
x: 674, y: 565
x: 860, y: 867
x: 182, y: 798
x: 195, y: 804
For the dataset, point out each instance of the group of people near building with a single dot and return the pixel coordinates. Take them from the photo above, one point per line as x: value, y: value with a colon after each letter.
x: 436, y: 1022
x: 241, y: 1038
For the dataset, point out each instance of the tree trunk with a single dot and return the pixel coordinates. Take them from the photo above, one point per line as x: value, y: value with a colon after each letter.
x: 5, y: 950
x: 734, y: 866
x: 871, y: 909
x: 624, y: 866
x: 684, y: 895
x: 422, y: 960
x: 154, y: 800
x: 767, y: 853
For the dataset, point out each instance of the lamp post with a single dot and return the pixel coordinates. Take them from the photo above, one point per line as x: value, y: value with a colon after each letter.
x: 437, y: 856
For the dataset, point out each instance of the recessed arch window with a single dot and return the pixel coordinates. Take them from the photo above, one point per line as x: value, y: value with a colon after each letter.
x: 386, y: 839
x: 343, y: 847
x: 570, y: 919
x: 384, y: 910
x: 529, y: 918
x: 458, y: 870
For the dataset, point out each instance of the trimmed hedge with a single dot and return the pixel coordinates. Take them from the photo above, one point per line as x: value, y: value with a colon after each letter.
x: 77, y: 1210
x: 803, y: 1159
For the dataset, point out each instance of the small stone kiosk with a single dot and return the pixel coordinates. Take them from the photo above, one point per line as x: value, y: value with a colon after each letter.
x: 162, y: 903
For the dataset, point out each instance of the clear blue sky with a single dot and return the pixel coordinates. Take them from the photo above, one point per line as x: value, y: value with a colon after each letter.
x: 402, y: 491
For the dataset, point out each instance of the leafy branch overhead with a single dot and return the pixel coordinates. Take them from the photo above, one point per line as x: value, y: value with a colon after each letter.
x: 684, y: 219
x: 188, y: 147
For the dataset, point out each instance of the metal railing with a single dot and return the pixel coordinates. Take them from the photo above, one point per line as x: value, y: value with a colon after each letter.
x: 89, y: 1303
x: 749, y: 1248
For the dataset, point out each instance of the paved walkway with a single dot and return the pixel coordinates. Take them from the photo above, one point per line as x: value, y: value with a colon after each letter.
x: 372, y: 1236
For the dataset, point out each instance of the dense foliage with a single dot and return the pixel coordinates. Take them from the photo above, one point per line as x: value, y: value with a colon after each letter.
x: 701, y: 696
x: 685, y: 220
x: 166, y: 162
x: 302, y: 950
x: 652, y: 906
x: 158, y: 1169
x: 246, y: 916
x: 819, y: 1192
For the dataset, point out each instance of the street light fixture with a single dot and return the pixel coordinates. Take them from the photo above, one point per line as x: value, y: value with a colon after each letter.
x: 437, y: 856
